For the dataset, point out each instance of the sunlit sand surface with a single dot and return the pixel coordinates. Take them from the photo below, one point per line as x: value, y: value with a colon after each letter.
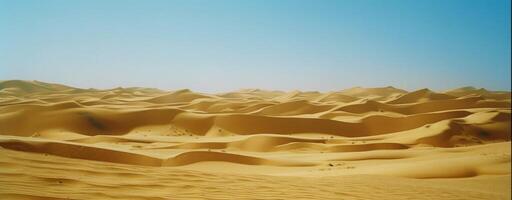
x: 60, y: 142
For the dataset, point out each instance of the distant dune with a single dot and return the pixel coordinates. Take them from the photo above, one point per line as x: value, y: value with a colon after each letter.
x: 61, y: 142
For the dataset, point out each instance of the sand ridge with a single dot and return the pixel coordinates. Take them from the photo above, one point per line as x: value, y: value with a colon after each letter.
x: 432, y: 140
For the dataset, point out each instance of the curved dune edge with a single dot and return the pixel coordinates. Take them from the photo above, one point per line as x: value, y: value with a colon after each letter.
x: 86, y: 152
x: 419, y: 164
x: 79, y: 151
x: 272, y: 143
x: 202, y: 156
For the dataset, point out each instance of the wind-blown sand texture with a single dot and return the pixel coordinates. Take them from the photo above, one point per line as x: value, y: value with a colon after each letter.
x: 60, y: 142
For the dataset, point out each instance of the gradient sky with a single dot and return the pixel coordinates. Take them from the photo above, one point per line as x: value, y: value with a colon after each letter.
x: 215, y: 45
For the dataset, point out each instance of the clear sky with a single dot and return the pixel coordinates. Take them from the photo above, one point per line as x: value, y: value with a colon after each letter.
x: 218, y: 45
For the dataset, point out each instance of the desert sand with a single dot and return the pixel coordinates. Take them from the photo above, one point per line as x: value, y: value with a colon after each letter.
x: 61, y: 142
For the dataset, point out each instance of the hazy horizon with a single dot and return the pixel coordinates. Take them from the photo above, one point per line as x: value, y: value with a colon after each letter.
x: 219, y: 46
x: 264, y: 89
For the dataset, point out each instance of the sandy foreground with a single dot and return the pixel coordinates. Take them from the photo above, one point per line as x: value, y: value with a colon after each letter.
x: 60, y: 142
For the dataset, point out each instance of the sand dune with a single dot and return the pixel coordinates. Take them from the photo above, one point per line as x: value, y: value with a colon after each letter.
x: 418, y: 96
x: 472, y: 91
x: 62, y: 142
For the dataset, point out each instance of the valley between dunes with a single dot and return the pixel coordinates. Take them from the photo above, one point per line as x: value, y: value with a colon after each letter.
x: 61, y: 142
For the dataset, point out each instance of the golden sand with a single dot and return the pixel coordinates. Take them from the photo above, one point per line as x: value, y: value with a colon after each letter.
x: 60, y: 142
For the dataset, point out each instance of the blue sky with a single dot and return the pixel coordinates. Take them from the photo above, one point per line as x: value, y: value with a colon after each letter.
x: 219, y: 45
